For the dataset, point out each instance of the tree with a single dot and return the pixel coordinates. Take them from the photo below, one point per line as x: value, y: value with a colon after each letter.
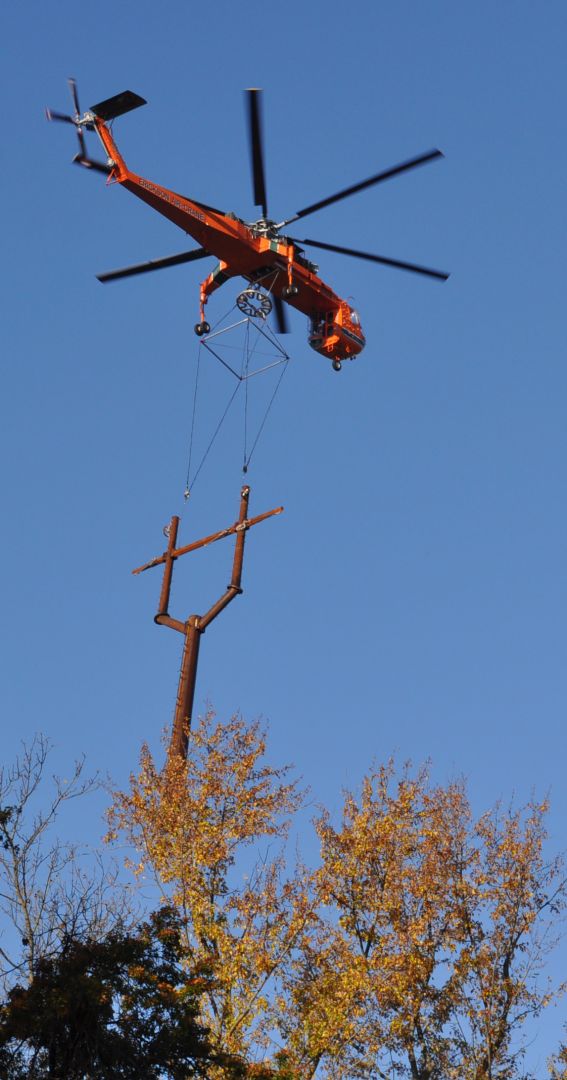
x: 49, y: 890
x: 426, y: 957
x: 189, y: 824
x: 558, y: 1064
x: 119, y: 1006
x: 414, y: 950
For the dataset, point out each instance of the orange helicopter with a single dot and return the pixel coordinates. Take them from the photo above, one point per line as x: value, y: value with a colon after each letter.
x: 256, y: 251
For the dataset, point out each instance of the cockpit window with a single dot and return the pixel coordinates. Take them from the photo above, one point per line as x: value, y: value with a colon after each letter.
x: 355, y: 318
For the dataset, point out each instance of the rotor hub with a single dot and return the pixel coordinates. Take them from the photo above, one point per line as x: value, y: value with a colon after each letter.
x: 265, y: 227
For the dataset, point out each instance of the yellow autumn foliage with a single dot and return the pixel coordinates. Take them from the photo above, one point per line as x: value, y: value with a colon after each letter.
x: 414, y: 947
x: 187, y: 823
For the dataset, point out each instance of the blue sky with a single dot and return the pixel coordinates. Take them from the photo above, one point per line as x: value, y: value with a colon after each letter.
x: 412, y: 598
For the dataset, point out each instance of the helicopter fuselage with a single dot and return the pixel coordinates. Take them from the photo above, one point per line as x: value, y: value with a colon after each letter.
x: 254, y: 252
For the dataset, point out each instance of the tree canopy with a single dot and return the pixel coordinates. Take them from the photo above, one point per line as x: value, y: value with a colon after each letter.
x: 414, y: 948
x: 123, y: 1006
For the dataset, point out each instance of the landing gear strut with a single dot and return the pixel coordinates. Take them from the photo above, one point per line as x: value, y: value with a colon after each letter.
x: 290, y: 289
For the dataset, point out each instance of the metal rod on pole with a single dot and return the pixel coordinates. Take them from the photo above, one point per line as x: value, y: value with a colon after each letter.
x: 207, y: 540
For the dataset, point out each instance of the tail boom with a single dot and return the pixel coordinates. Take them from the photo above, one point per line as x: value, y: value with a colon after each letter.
x: 99, y: 116
x: 119, y: 170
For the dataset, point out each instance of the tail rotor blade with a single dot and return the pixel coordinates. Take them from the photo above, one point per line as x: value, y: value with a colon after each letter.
x: 75, y: 96
x: 257, y: 150
x: 51, y: 114
x: 82, y: 147
x: 88, y: 163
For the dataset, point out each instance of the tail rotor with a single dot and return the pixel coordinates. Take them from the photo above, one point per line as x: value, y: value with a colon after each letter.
x: 82, y: 155
x: 80, y: 122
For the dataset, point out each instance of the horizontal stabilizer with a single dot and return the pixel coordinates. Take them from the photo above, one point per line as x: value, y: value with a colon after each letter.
x: 118, y: 105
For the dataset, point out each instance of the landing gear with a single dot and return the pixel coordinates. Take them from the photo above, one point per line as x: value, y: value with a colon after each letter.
x: 337, y: 365
x: 202, y: 328
x: 290, y: 290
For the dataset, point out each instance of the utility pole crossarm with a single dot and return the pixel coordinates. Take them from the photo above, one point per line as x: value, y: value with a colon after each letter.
x: 237, y: 527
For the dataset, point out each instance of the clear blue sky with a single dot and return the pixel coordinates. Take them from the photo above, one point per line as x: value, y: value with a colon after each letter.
x: 413, y: 597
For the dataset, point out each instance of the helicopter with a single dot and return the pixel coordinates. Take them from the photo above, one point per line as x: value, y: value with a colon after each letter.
x: 272, y: 263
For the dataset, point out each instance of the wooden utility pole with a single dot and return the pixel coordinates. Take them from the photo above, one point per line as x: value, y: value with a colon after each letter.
x: 195, y: 625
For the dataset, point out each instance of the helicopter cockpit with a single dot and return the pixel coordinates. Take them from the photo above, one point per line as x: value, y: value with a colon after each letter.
x: 336, y: 334
x: 321, y: 327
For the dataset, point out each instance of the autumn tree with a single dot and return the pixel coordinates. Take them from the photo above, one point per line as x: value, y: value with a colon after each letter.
x: 189, y: 824
x: 558, y: 1064
x: 413, y: 950
x: 424, y: 962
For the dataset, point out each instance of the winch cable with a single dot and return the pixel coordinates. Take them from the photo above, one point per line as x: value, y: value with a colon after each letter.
x: 270, y: 403
x: 187, y: 487
x: 247, y: 459
x: 248, y: 354
x: 245, y: 375
x: 191, y: 484
x: 245, y: 366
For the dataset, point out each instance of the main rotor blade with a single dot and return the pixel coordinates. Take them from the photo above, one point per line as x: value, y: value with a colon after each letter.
x: 75, y: 96
x: 154, y: 264
x: 257, y: 150
x: 281, y: 315
x: 386, y: 175
x: 413, y: 267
